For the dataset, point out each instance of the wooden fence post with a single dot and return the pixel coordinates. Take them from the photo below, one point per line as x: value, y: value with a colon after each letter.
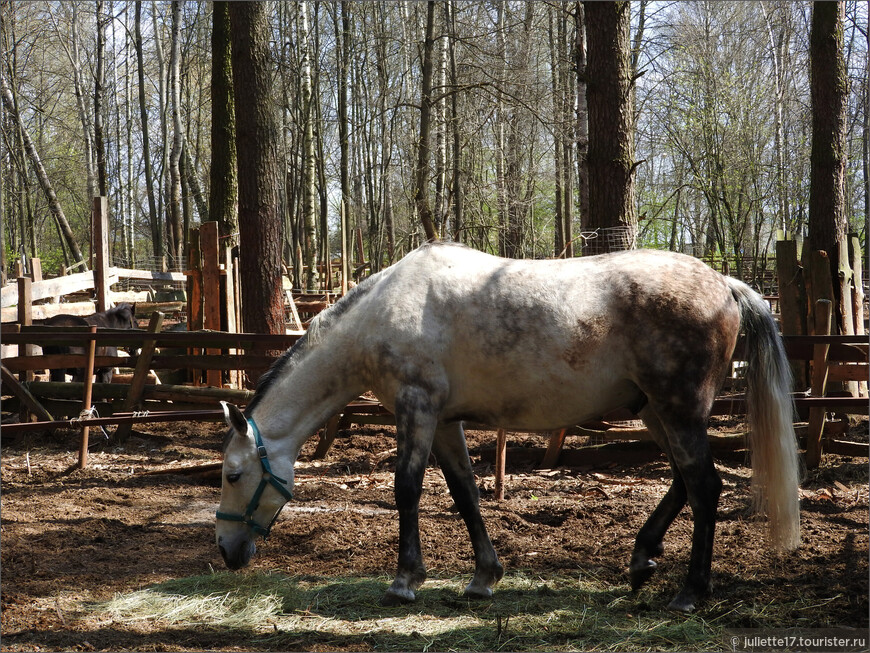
x: 211, y: 290
x: 792, y: 302
x: 36, y: 269
x: 25, y: 318
x: 228, y: 303
x: 86, y: 401
x: 194, y: 292
x: 100, y: 224
x: 857, y: 298
x: 500, y: 459
x: 823, y: 313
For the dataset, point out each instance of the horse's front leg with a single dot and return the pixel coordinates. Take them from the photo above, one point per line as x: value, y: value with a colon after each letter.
x: 452, y: 453
x: 415, y: 429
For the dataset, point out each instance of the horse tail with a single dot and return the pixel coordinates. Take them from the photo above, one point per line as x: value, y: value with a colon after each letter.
x: 770, y: 411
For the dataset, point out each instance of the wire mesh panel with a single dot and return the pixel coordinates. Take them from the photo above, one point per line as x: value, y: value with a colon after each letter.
x: 608, y: 239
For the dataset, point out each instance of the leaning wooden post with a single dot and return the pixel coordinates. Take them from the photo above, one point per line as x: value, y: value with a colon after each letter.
x: 500, y: 457
x: 24, y: 395
x: 100, y: 224
x: 86, y: 402
x: 823, y: 314
x: 140, y: 375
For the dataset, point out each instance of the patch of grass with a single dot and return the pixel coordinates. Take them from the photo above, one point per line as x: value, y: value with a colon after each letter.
x: 528, y: 613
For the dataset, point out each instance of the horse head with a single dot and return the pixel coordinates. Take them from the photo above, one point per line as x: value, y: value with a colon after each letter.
x: 252, y: 495
x: 123, y: 316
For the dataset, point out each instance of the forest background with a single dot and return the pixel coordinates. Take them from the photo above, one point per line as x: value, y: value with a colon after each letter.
x: 722, y: 125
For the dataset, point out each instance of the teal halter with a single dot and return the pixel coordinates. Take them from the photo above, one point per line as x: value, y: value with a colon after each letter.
x: 268, y: 479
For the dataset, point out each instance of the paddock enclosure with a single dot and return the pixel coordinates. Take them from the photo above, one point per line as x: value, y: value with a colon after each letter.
x: 119, y: 554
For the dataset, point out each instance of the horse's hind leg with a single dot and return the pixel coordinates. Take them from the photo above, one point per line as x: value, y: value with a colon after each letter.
x: 690, y: 451
x: 648, y: 544
x: 452, y: 453
x: 415, y: 429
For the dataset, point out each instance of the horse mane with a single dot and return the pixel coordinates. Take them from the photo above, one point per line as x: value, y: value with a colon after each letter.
x: 313, y: 336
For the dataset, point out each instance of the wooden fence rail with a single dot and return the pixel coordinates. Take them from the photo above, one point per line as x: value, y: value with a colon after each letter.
x: 846, y: 358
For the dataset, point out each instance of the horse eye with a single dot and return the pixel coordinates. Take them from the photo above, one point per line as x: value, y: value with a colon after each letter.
x: 232, y: 478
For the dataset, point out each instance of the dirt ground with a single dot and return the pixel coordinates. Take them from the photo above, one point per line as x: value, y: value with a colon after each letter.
x: 70, y: 536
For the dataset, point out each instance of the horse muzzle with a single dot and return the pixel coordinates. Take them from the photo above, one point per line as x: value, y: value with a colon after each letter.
x: 238, y: 553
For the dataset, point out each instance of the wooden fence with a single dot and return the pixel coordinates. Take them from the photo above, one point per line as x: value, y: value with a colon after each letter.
x: 844, y: 358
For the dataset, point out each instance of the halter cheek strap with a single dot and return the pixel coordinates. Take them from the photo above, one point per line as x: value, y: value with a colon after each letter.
x: 268, y: 479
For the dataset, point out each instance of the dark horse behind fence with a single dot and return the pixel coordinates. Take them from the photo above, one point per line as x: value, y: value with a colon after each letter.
x: 450, y: 334
x: 121, y: 316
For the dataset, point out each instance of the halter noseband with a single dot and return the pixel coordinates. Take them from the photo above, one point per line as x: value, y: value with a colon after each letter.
x: 268, y: 479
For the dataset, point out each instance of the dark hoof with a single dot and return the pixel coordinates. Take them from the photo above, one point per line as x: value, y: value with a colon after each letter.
x: 640, y: 573
x: 397, y: 597
x: 478, y: 593
x: 683, y: 602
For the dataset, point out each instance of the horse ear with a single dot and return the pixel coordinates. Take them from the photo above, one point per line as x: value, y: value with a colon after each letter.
x: 234, y: 418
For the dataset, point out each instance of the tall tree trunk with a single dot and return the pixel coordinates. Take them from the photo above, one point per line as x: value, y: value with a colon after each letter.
x: 779, y: 81
x: 559, y: 221
x: 582, y: 115
x: 829, y: 86
x: 223, y: 176
x: 611, y: 123
x: 176, y: 220
x: 440, y: 214
x: 343, y: 54
x: 99, y: 75
x: 567, y: 125
x: 154, y: 219
x: 500, y: 145
x: 865, y: 139
x: 163, y: 173
x: 309, y: 188
x: 41, y: 175
x: 421, y: 195
x: 458, y: 198
x: 256, y: 142
x: 829, y: 89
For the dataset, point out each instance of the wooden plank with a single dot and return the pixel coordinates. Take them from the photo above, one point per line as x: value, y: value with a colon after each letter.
x: 25, y: 318
x: 118, y: 391
x: 39, y: 334
x: 857, y: 262
x: 86, y: 401
x: 554, y: 448
x: 36, y: 269
x: 211, y: 286
x: 500, y: 462
x: 817, y: 275
x: 843, y: 311
x: 327, y: 437
x: 792, y: 301
x: 147, y: 275
x: 24, y: 395
x: 816, y: 425
x: 49, y: 288
x: 228, y: 304
x: 140, y: 375
x: 194, y: 293
x: 57, y: 361
x: 849, y: 372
